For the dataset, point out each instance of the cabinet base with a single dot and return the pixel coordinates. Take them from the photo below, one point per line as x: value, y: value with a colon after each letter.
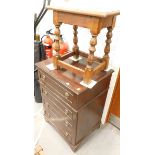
x: 74, y: 148
x: 77, y: 146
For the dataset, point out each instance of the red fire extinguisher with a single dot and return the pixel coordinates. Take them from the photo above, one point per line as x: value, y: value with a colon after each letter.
x: 47, y: 42
x: 63, y: 46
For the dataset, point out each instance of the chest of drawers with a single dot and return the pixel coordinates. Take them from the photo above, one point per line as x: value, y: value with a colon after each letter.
x: 72, y: 109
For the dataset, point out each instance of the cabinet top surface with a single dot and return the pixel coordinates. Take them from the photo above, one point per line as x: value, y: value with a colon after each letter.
x: 94, y: 13
x: 69, y: 79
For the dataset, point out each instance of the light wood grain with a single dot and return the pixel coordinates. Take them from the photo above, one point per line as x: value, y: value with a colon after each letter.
x: 71, y: 68
x: 95, y: 21
x: 84, y: 12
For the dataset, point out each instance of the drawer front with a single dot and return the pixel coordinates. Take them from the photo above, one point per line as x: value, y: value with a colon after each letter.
x: 64, y: 124
x: 58, y: 120
x: 67, y: 121
x: 58, y: 102
x: 54, y: 120
x: 58, y: 88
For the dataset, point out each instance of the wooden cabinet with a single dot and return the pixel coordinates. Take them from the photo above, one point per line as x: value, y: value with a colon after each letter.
x: 72, y: 109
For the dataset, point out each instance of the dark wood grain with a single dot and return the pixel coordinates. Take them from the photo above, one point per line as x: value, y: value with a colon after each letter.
x: 75, y: 41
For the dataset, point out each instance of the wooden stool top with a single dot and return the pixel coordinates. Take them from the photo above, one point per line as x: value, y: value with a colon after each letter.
x: 93, y: 20
x: 84, y: 12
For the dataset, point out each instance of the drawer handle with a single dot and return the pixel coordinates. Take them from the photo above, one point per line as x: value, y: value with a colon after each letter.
x: 66, y: 134
x: 67, y: 123
x: 66, y: 111
x: 43, y: 77
x: 41, y: 83
x: 45, y: 92
x: 66, y: 94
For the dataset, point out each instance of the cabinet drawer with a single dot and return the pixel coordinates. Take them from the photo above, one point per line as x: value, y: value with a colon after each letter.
x: 58, y: 122
x: 65, y: 95
x: 48, y: 109
x: 65, y: 124
x: 57, y: 87
x: 58, y: 102
x: 59, y: 111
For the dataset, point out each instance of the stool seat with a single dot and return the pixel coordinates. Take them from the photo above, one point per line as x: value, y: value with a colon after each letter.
x: 94, y: 13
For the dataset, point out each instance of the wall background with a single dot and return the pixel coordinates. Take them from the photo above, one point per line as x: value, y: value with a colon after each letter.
x: 84, y: 34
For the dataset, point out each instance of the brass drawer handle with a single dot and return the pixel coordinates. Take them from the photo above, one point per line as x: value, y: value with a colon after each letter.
x: 66, y: 111
x: 43, y: 77
x: 66, y: 94
x: 66, y: 134
x: 66, y: 123
x: 45, y: 92
x: 41, y: 82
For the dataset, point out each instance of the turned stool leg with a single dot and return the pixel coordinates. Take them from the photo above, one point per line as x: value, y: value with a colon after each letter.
x: 56, y: 46
x: 75, y: 41
x: 107, y: 47
x: 89, y: 68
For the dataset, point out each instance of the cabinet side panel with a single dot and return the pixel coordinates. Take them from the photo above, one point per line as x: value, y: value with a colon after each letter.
x: 89, y: 94
x: 89, y: 116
